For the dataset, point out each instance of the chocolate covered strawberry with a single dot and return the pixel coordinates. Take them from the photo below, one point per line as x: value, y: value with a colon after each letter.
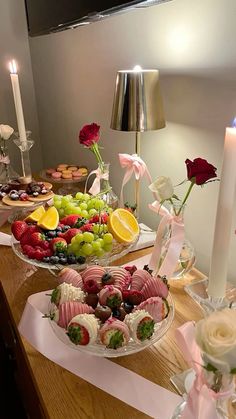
x: 58, y: 245
x: 91, y: 286
x: 66, y: 311
x: 110, y: 296
x: 114, y: 334
x: 132, y: 297
x: 140, y: 324
x: 66, y: 292
x: 83, y: 329
x: 18, y: 228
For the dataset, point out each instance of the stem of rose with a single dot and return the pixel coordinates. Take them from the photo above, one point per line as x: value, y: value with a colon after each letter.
x: 186, y: 197
x: 94, y: 149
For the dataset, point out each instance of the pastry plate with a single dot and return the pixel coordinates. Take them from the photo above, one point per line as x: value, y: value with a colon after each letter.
x: 118, y: 251
x: 132, y: 347
x: 44, y: 175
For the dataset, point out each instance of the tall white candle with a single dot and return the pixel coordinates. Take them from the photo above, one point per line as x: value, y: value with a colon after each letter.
x: 17, y: 100
x: 221, y: 243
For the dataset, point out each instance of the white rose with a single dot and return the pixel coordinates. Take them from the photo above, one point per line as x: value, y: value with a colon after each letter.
x: 216, y: 337
x: 163, y: 188
x: 5, y: 131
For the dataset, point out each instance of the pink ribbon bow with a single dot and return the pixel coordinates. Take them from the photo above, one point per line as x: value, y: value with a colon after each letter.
x: 4, y: 159
x: 201, y: 400
x: 95, y: 188
x: 174, y: 245
x: 133, y: 164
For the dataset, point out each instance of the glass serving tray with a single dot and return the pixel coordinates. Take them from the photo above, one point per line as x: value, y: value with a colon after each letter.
x: 118, y: 251
x: 132, y: 347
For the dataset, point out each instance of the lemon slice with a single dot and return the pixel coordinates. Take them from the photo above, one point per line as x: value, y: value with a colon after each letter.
x: 49, y: 220
x: 36, y: 215
x: 123, y: 225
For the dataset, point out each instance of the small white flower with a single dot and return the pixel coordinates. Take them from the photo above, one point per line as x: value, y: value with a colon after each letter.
x: 216, y: 337
x: 163, y: 188
x: 5, y: 131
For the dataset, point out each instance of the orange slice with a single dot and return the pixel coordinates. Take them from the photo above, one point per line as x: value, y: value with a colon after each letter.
x: 123, y: 225
x: 49, y: 220
x: 36, y: 215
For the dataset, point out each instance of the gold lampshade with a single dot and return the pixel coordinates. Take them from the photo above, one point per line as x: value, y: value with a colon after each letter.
x: 137, y: 104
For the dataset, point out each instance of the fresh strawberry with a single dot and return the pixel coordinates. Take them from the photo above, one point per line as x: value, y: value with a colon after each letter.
x: 78, y: 334
x: 37, y: 239
x: 69, y: 234
x: 48, y: 252
x: 18, y: 228
x: 26, y: 237
x: 87, y: 227
x: 58, y: 245
x: 24, y: 197
x: 103, y: 218
x: 70, y: 220
x: 145, y: 328
x: 45, y: 245
x: 132, y: 297
x: 91, y: 286
x: 26, y: 248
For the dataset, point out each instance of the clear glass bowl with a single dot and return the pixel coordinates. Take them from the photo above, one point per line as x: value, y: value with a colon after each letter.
x: 118, y: 251
x: 132, y: 347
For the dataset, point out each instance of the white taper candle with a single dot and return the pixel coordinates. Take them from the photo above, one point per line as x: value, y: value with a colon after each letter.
x: 221, y: 243
x: 18, y: 102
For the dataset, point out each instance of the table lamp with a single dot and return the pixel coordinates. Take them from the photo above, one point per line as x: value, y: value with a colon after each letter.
x: 137, y: 106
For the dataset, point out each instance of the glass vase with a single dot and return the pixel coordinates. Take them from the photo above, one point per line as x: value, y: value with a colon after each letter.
x: 223, y: 385
x: 106, y: 191
x: 187, y: 257
x: 7, y: 173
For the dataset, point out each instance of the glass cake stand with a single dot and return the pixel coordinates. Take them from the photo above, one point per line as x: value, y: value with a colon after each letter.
x: 118, y: 251
x: 69, y: 185
x: 97, y: 349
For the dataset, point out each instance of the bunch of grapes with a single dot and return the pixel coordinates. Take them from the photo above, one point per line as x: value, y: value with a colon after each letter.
x: 89, y: 244
x: 82, y: 204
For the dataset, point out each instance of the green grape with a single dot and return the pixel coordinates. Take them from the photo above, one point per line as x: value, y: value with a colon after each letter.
x: 79, y: 195
x: 61, y: 212
x: 70, y: 206
x: 105, y: 228
x: 109, y: 210
x: 67, y: 211
x: 101, y: 241
x: 108, y: 238
x: 77, y: 211
x: 96, y: 245
x: 99, y: 204
x: 83, y: 206
x: 65, y: 200
x: 108, y: 247
x: 75, y: 247
x: 88, y: 237
x: 96, y: 228
x: 99, y: 253
x: 78, y: 238
x: 87, y: 249
x: 57, y: 204
x: 86, y: 197
x: 84, y: 213
x: 92, y: 212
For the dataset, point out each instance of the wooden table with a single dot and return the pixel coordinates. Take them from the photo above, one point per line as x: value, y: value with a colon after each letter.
x: 49, y: 390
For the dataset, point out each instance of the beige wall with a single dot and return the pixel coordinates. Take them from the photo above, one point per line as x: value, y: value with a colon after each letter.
x: 193, y: 44
x: 14, y: 44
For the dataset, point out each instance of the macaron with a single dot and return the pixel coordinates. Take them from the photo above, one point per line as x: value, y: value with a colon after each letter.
x: 61, y: 168
x: 66, y: 172
x: 50, y: 171
x: 67, y: 175
x: 56, y: 175
x: 72, y: 168
x: 76, y: 173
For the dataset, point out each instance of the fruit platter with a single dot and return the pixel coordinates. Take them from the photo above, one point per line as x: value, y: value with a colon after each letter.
x: 78, y: 230
x: 110, y: 311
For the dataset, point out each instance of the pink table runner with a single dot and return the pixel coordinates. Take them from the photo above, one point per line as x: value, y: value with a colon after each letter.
x: 127, y: 386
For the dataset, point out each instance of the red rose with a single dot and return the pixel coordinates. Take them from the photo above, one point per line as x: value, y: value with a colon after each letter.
x: 89, y: 135
x: 201, y: 170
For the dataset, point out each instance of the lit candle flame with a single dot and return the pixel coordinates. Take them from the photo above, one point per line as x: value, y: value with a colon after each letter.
x: 13, y: 67
x: 233, y: 125
x: 137, y: 68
